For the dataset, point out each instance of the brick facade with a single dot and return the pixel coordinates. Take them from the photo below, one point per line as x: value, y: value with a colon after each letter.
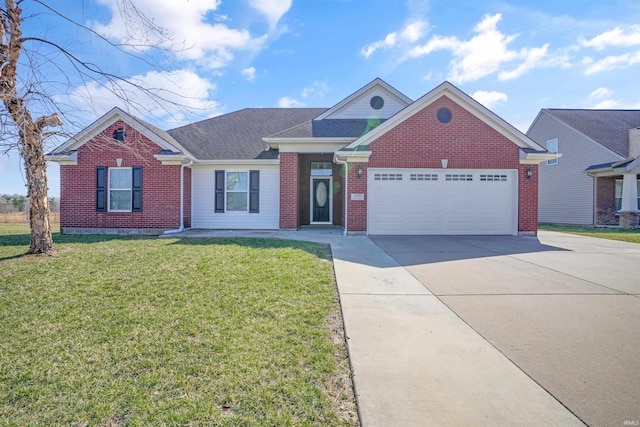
x: 289, y: 191
x: 421, y: 141
x: 160, y: 185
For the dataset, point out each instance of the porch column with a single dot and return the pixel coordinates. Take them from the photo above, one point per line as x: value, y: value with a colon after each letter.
x: 289, y: 187
x: 629, y: 208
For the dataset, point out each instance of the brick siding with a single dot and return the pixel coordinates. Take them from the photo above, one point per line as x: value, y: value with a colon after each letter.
x: 160, y: 185
x: 422, y: 141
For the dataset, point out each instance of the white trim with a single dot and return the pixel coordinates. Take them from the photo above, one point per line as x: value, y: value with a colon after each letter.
x: 63, y: 159
x: 107, y: 120
x: 329, y: 199
x: 462, y: 99
x: 248, y: 162
x: 376, y: 82
x: 308, y: 145
x: 119, y: 189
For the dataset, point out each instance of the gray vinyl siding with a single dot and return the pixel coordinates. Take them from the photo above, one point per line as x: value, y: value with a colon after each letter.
x: 565, y: 192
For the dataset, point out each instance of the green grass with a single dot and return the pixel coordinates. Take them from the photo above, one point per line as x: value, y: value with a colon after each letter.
x: 632, y: 236
x: 146, y: 331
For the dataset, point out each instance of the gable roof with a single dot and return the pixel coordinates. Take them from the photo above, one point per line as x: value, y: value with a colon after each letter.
x: 607, y: 127
x: 161, y: 138
x: 238, y: 135
x: 402, y: 98
x: 471, y: 105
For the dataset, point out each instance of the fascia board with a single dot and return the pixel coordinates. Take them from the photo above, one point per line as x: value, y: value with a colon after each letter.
x: 107, y: 120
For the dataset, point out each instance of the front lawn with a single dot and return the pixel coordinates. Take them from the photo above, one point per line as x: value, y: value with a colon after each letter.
x: 147, y: 331
x: 632, y: 236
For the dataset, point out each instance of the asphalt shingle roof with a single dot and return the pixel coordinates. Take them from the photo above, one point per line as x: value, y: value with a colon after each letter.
x: 608, y: 127
x: 238, y: 135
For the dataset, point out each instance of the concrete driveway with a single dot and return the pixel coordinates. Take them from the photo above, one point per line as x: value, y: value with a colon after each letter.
x: 564, y: 309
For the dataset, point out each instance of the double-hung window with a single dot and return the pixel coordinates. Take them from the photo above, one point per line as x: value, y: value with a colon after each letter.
x: 237, y: 191
x: 119, y: 189
x: 120, y: 181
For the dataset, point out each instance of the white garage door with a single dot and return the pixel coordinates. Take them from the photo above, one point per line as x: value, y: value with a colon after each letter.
x: 442, y: 201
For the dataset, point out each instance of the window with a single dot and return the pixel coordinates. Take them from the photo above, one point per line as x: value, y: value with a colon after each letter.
x: 552, y: 147
x: 237, y: 191
x: 488, y: 177
x: 321, y: 168
x: 119, y: 189
x: 619, y: 194
x: 388, y: 177
x: 458, y: 177
x: 423, y: 177
x: 119, y: 135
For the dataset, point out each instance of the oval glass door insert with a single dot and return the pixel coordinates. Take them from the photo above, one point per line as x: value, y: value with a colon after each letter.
x: 321, y: 194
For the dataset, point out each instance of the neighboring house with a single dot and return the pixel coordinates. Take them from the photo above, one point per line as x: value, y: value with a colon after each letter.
x: 596, y: 179
x: 376, y: 162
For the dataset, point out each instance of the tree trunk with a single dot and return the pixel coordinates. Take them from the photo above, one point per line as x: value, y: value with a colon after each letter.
x: 35, y: 167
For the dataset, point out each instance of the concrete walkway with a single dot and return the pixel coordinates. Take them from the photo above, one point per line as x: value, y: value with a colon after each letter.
x: 414, y: 361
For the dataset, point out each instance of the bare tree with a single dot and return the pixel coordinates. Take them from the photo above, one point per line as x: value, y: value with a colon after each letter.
x: 22, y: 87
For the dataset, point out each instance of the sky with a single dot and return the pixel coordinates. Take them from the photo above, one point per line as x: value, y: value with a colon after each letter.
x: 217, y: 56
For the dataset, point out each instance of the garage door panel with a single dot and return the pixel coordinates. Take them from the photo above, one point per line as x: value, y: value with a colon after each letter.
x: 437, y: 201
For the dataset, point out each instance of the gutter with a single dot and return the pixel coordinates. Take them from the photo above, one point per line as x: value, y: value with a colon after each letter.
x: 181, y: 228
x: 346, y: 192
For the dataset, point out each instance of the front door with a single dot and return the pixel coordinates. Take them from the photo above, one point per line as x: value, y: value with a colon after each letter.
x: 321, y: 200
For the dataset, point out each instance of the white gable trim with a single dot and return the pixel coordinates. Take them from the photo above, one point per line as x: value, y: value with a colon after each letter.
x: 402, y: 98
x: 462, y: 99
x: 107, y: 120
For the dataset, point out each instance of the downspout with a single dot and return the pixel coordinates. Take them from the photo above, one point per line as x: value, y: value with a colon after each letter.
x: 181, y: 227
x: 346, y: 193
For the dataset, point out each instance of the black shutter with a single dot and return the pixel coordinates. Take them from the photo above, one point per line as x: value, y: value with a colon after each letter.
x: 101, y: 189
x: 219, y: 192
x: 254, y: 191
x: 136, y: 189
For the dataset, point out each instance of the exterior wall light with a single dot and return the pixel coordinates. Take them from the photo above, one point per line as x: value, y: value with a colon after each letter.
x: 529, y: 173
x: 359, y: 171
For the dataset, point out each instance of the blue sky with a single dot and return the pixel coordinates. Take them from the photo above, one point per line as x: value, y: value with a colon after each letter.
x: 515, y: 57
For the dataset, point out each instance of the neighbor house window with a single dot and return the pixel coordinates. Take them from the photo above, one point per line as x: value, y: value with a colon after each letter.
x: 119, y: 189
x: 619, y: 194
x: 552, y: 147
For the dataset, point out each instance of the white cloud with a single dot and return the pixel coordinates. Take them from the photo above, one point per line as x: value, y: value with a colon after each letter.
x: 286, y: 102
x: 185, y: 30
x: 411, y: 33
x: 249, y: 73
x: 483, y: 54
x: 533, y: 58
x: 272, y: 9
x: 613, y: 62
x: 615, y: 37
x: 601, y: 92
x: 607, y: 104
x: 317, y: 87
x: 180, y: 88
x: 489, y: 99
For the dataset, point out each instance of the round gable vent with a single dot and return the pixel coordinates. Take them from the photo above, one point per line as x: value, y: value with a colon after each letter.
x: 444, y: 115
x: 376, y: 102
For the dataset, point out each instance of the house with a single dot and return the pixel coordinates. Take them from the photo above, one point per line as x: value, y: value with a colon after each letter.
x: 595, y: 182
x: 376, y: 162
